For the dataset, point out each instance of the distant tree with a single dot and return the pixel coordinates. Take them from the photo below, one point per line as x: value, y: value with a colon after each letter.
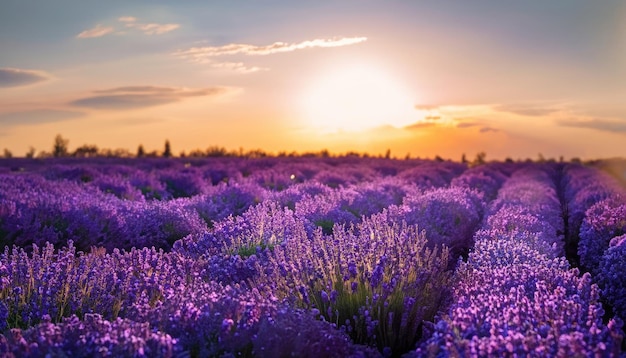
x: 86, y: 151
x: 256, y: 153
x: 7, y: 153
x: 59, y: 149
x: 464, y: 159
x: 480, y: 158
x: 140, y: 151
x: 167, y: 152
x: 388, y: 154
x: 216, y: 151
x: 31, y: 152
x: 116, y: 153
x: 438, y: 158
x: 541, y: 158
x: 324, y: 153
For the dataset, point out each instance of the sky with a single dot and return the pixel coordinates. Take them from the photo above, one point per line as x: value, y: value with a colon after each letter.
x: 424, y: 78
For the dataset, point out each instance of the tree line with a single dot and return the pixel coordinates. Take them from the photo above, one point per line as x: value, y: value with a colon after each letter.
x: 60, y: 149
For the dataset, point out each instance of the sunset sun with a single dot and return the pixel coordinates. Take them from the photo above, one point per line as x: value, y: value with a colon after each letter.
x: 356, y: 98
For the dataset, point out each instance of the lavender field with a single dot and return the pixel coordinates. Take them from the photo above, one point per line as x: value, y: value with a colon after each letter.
x: 310, y: 257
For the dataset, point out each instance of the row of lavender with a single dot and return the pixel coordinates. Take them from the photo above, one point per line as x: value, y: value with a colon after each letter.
x: 597, y: 231
x: 516, y: 294
x: 302, y: 272
x: 164, y: 179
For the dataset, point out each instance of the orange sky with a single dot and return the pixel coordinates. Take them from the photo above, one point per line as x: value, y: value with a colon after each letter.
x: 418, y: 78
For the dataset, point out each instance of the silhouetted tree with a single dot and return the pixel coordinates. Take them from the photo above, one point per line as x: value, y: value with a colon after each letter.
x: 541, y: 158
x: 463, y: 159
x: 216, y: 151
x: 31, y: 152
x: 167, y: 152
x: 7, y: 153
x: 86, y: 151
x: 59, y: 149
x: 388, y: 154
x: 480, y: 158
x: 140, y: 151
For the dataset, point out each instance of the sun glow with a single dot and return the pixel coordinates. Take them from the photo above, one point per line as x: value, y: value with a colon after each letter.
x: 357, y: 98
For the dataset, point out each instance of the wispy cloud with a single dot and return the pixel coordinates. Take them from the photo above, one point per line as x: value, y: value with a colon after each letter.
x: 132, y: 97
x: 531, y: 110
x: 601, y: 124
x: 238, y: 67
x: 207, y: 54
x: 148, y: 28
x: 37, y: 116
x: 14, y: 77
x: 97, y: 31
x: 130, y: 22
x: 488, y: 129
x: 467, y: 124
x: 276, y: 47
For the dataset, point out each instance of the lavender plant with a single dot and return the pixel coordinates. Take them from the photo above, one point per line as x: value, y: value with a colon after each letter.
x: 611, y: 277
x: 91, y: 337
x: 376, y: 281
x: 603, y: 221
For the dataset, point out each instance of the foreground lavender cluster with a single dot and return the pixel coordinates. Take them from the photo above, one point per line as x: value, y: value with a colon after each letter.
x: 516, y: 294
x: 338, y: 257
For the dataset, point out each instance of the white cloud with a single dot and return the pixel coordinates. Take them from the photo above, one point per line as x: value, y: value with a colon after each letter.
x: 153, y: 28
x: 97, y: 31
x: 236, y: 66
x: 196, y: 53
x: 207, y: 54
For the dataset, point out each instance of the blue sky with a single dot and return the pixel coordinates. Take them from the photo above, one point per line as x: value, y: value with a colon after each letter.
x: 443, y: 78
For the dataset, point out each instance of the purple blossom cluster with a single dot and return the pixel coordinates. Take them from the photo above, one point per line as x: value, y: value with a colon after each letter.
x: 485, y: 179
x: 516, y: 295
x: 583, y: 187
x: 603, y: 221
x: 91, y: 337
x: 611, y: 276
x: 449, y: 216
